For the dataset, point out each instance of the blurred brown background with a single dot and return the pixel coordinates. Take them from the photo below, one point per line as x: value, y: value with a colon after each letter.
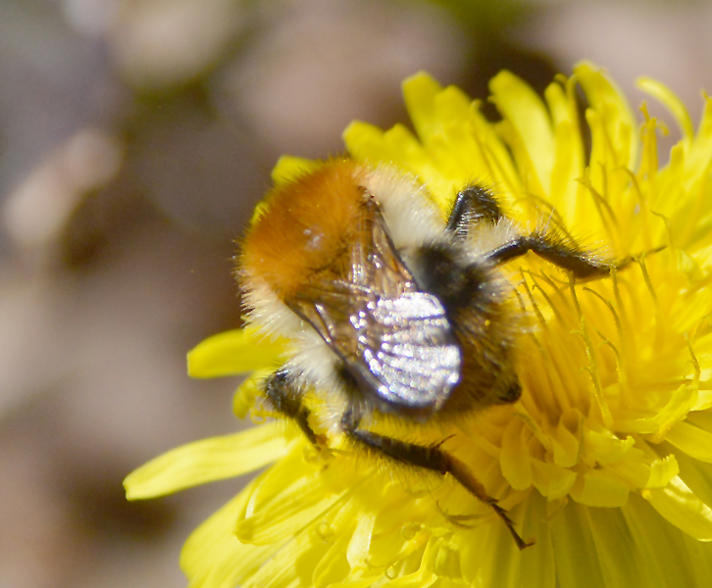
x: 135, y: 137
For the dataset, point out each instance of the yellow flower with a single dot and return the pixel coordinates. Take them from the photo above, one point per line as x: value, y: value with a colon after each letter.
x: 606, y: 460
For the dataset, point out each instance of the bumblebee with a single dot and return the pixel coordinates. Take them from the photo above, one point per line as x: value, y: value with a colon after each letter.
x: 393, y: 310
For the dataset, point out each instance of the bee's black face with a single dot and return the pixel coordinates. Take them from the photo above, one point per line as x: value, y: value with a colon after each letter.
x: 511, y: 394
x: 457, y: 284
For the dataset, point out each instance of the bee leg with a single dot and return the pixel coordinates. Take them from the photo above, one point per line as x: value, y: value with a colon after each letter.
x: 285, y: 396
x: 555, y: 251
x: 431, y: 458
x: 472, y: 205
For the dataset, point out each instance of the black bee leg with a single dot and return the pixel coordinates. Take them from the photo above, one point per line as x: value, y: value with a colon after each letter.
x: 472, y: 205
x: 285, y: 396
x: 563, y: 255
x: 431, y: 458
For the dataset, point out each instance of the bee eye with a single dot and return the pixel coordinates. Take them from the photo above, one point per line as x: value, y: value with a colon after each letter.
x: 511, y: 394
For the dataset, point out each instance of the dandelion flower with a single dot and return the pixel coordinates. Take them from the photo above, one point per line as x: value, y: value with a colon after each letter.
x: 605, y: 462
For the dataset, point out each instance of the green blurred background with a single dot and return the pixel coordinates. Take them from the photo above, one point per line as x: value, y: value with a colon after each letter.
x: 135, y: 137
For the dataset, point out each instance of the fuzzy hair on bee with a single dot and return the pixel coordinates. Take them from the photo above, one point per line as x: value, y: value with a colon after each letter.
x: 392, y: 308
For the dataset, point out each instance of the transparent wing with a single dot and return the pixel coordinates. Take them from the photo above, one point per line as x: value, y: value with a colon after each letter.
x: 395, y: 341
x: 406, y: 344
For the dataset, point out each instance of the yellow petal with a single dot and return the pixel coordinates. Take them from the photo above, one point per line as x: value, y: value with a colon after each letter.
x: 697, y: 475
x: 662, y: 472
x: 573, y: 545
x: 234, y: 352
x: 419, y: 93
x: 359, y: 546
x: 424, y: 575
x: 566, y: 446
x: 530, y: 121
x: 207, y: 460
x: 681, y: 507
x: 284, y: 503
x: 514, y: 457
x: 290, y: 565
x: 332, y: 566
x: 366, y: 142
x: 692, y: 440
x: 672, y: 102
x: 697, y: 163
x: 568, y: 164
x: 597, y: 488
x: 620, y: 559
x: 289, y: 168
x: 247, y: 392
x: 552, y: 481
x: 617, y: 136
x: 212, y: 555
x: 670, y: 558
x: 397, y: 147
x: 538, y: 565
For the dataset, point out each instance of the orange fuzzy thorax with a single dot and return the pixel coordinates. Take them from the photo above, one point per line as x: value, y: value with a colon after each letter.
x: 305, y: 227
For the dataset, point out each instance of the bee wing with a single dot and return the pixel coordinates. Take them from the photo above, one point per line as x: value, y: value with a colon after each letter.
x: 395, y: 341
